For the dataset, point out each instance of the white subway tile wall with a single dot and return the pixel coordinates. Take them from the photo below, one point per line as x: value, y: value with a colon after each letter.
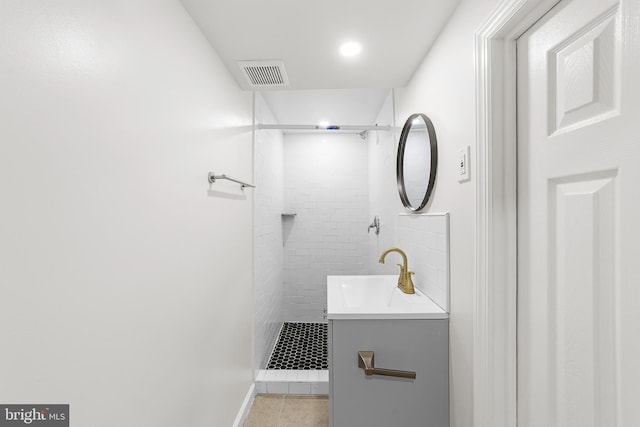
x: 268, y: 250
x: 425, y: 239
x: 326, y: 186
x: 383, y: 190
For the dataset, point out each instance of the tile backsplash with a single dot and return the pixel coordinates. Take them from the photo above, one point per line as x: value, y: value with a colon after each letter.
x: 425, y: 240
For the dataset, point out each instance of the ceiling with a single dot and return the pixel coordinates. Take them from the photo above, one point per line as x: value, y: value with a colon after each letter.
x: 395, y: 37
x: 338, y: 106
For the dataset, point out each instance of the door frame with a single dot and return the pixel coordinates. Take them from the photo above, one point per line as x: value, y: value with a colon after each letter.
x: 495, y: 316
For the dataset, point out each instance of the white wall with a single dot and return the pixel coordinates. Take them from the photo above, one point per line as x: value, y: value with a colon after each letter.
x: 444, y: 89
x: 326, y: 185
x: 125, y: 285
x: 268, y: 222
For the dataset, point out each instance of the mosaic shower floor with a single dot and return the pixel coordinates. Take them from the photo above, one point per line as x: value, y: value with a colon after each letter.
x: 300, y: 346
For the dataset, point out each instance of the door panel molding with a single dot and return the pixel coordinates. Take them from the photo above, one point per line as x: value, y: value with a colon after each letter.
x: 582, y: 327
x: 583, y: 98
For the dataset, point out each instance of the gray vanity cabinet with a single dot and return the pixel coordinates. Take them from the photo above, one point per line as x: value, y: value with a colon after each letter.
x: 359, y: 400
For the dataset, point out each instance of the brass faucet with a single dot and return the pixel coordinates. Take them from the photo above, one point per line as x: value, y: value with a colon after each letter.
x: 404, y: 280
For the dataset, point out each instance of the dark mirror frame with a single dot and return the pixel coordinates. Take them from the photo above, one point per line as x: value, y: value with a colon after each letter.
x: 400, y: 161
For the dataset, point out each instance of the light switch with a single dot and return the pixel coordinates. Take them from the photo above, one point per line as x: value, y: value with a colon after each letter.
x: 463, y: 164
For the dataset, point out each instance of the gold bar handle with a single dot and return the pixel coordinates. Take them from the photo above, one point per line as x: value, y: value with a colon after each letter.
x: 365, y: 361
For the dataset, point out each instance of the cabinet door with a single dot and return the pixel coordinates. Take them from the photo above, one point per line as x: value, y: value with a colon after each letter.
x: 379, y: 401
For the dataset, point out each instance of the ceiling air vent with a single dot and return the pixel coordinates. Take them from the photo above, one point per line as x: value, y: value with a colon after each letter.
x: 264, y: 73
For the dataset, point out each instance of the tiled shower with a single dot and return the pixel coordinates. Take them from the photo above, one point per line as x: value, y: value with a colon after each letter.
x: 312, y: 210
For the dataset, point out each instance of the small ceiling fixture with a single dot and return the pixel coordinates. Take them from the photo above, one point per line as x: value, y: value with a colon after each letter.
x: 323, y: 124
x: 350, y: 49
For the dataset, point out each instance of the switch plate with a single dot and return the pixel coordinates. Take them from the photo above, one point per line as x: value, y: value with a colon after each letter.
x: 463, y: 164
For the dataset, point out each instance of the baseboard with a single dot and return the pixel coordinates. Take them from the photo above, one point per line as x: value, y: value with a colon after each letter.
x: 243, y: 413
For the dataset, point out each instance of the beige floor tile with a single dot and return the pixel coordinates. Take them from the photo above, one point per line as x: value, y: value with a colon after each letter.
x: 277, y: 410
x: 304, y: 411
x: 265, y: 411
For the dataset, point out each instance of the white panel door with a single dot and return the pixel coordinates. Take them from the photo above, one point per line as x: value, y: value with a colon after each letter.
x: 579, y: 216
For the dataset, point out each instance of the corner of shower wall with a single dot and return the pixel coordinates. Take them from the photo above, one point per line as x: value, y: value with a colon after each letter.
x: 383, y: 194
x: 268, y: 242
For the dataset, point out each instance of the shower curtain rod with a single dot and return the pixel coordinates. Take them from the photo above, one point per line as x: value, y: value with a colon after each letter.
x: 325, y: 128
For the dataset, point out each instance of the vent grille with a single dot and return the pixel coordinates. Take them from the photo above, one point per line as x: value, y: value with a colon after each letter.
x: 264, y: 73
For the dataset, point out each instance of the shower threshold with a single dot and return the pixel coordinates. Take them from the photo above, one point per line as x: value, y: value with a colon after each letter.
x: 298, y: 363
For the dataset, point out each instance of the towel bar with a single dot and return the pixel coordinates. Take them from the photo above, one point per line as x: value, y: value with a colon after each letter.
x: 212, y: 178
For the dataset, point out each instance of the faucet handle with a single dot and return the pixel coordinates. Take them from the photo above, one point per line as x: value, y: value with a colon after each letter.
x: 408, y: 283
x: 375, y: 224
x: 401, y: 268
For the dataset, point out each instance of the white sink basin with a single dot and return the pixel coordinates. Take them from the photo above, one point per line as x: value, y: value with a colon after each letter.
x: 376, y: 297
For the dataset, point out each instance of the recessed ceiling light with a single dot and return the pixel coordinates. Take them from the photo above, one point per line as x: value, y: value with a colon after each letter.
x: 323, y: 123
x: 350, y: 49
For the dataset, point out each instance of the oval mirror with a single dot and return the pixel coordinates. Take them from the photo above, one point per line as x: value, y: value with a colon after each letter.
x: 417, y: 162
